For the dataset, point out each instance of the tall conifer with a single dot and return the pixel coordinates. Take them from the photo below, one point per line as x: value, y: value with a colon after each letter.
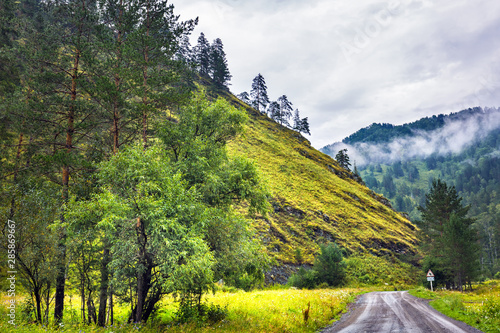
x: 285, y: 110
x: 259, y: 93
x: 448, y: 237
x: 202, y: 55
x: 218, y: 64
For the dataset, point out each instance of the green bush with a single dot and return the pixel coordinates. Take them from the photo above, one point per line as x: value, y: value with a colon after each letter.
x: 491, y: 309
x: 304, y: 278
x: 329, y: 268
x: 200, y: 313
x: 215, y: 313
x: 330, y: 265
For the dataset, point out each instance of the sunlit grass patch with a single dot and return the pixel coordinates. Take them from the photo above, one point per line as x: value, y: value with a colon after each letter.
x: 279, y: 310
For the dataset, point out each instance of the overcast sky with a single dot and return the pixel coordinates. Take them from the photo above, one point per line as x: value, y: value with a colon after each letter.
x: 346, y: 64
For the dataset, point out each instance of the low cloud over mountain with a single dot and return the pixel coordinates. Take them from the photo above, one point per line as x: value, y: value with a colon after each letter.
x: 457, y: 132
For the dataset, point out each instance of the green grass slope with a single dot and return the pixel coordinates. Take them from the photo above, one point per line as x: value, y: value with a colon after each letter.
x: 315, y: 200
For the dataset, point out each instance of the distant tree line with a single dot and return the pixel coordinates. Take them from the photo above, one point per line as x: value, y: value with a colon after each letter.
x: 280, y: 110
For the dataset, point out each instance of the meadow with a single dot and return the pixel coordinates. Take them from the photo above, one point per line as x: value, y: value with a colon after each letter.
x: 278, y: 310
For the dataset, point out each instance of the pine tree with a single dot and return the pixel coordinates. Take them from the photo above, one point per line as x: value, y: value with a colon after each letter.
x: 461, y: 249
x: 448, y: 235
x: 388, y: 185
x: 259, y: 93
x: 244, y: 97
x: 285, y: 110
x: 156, y: 42
x: 297, y: 122
x: 301, y: 125
x: 304, y: 126
x: 185, y: 52
x: 218, y: 65
x: 202, y: 55
x: 330, y: 265
x: 273, y: 111
x: 343, y: 159
x: 440, y: 203
x: 60, y: 115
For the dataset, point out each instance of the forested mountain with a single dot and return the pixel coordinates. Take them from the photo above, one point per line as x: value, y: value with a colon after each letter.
x: 462, y: 149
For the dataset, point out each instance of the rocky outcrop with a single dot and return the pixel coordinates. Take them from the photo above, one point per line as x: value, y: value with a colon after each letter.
x: 280, y: 274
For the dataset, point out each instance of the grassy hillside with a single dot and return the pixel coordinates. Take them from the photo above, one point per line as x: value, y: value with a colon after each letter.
x: 315, y: 201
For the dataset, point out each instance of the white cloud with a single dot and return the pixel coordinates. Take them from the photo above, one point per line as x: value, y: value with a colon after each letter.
x: 346, y: 64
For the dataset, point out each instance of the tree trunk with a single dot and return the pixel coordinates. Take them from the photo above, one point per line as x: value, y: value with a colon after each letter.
x: 82, y: 295
x: 61, y: 270
x: 91, y: 311
x: 150, y: 304
x: 143, y: 277
x: 47, y: 303
x: 103, y: 295
x: 110, y: 310
x: 38, y: 301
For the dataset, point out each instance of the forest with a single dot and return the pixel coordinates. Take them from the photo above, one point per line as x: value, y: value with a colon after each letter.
x: 474, y: 171
x: 116, y: 183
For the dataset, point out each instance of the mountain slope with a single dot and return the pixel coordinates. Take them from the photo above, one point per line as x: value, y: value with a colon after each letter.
x: 315, y: 201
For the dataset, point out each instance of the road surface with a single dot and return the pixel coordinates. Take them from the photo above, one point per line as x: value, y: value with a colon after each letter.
x: 395, y: 311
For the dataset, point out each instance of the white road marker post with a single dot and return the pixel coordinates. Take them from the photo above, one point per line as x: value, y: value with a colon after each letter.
x: 430, y: 277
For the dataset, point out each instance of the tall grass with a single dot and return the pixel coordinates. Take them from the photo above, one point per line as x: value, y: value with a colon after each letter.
x: 279, y: 310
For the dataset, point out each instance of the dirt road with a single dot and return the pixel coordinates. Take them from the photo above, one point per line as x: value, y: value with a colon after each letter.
x: 395, y: 311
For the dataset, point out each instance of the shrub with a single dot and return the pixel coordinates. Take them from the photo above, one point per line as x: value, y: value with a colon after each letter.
x: 215, y: 313
x: 200, y: 313
x: 330, y: 265
x: 305, y: 278
x: 328, y: 270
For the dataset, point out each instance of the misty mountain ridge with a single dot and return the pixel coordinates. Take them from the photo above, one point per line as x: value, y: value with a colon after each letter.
x: 437, y: 135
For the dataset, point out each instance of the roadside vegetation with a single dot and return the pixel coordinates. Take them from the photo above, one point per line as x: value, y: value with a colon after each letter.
x: 279, y: 310
x: 479, y: 308
x: 307, y: 303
